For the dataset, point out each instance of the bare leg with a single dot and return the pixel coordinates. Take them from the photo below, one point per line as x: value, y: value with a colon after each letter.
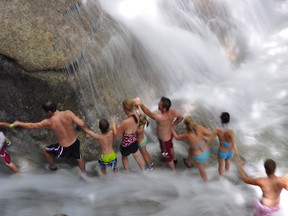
x: 145, y: 155
x: 49, y: 158
x: 137, y: 156
x: 81, y: 164
x: 13, y: 167
x: 115, y: 170
x: 104, y: 171
x: 173, y: 155
x: 201, y: 168
x: 227, y: 164
x: 221, y: 165
x: 172, y: 165
x: 125, y: 163
x: 190, y: 158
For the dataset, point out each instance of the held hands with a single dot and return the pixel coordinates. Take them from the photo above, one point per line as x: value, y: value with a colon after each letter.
x: 137, y: 101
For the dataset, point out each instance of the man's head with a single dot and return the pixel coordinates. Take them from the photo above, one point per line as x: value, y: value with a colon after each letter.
x: 164, y: 104
x: 225, y: 117
x: 49, y: 106
x: 104, y: 125
x: 270, y: 166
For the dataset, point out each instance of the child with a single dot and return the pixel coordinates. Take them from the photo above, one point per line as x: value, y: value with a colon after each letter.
x: 3, y: 153
x: 108, y: 157
x: 142, y: 139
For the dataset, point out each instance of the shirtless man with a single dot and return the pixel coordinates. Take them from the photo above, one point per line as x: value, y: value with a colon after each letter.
x: 271, y: 187
x: 108, y: 157
x: 62, y: 125
x: 168, y: 118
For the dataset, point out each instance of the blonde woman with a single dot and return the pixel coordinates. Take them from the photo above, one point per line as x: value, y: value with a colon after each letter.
x: 127, y: 128
x: 196, y: 136
x: 142, y: 139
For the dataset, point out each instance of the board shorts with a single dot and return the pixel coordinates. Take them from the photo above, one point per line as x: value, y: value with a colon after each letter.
x: 108, y: 160
x: 131, y: 149
x: 166, y: 150
x: 262, y: 210
x: 70, y: 151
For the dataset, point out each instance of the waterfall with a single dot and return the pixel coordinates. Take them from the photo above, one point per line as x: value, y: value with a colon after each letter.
x: 207, y: 57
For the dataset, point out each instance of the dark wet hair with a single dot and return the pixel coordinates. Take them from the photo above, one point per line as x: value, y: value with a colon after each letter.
x: 166, y: 103
x: 49, y: 106
x: 104, y: 125
x: 225, y: 117
x: 270, y: 166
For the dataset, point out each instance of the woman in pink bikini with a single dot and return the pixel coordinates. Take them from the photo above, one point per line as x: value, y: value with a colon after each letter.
x: 128, y: 128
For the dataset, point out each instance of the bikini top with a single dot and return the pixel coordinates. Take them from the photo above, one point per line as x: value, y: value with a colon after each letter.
x: 128, y: 139
x: 226, y: 144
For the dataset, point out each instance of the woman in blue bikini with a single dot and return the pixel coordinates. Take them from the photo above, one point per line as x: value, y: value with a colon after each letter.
x: 196, y: 135
x: 227, y: 144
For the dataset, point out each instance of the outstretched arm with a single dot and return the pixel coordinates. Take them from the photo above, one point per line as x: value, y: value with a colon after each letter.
x: 179, y: 117
x: 212, y: 135
x: 180, y: 136
x: 4, y: 124
x: 90, y: 133
x: 76, y: 119
x: 29, y: 125
x: 244, y: 176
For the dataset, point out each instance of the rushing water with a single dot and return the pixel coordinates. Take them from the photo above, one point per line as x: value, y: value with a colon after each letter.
x: 208, y: 57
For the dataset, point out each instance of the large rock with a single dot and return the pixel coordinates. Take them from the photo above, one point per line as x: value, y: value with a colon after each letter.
x: 44, y: 35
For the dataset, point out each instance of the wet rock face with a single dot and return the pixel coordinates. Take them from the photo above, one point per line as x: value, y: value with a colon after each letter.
x: 33, y: 32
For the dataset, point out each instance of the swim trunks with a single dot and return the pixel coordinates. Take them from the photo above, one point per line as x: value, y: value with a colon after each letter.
x: 166, y: 150
x: 225, y: 155
x: 144, y: 142
x: 5, y: 156
x: 70, y: 151
x: 108, y: 160
x: 201, y: 158
x: 262, y: 210
x: 131, y: 149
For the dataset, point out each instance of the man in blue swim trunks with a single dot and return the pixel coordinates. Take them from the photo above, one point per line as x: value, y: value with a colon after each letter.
x: 62, y: 125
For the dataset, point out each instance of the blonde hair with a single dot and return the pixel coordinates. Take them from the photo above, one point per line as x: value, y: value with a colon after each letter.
x: 128, y: 104
x: 143, y: 120
x: 190, y: 124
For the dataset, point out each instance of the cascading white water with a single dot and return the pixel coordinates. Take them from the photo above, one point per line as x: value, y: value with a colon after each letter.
x: 209, y: 57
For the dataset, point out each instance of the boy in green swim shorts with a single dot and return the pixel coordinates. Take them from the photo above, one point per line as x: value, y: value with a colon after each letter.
x: 108, y: 157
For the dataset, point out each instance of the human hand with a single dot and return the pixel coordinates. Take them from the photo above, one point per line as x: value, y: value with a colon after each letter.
x: 137, y: 101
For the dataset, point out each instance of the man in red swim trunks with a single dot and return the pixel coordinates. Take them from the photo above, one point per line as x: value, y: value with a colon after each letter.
x: 168, y: 118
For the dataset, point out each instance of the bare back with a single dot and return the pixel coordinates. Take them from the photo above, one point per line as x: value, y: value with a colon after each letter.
x: 61, y: 123
x: 106, y: 142
x: 228, y: 137
x: 198, y: 141
x: 271, y: 188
